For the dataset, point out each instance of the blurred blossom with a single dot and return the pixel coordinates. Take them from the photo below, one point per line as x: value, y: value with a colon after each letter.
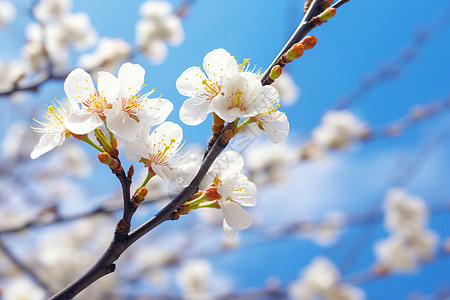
x: 326, y: 232
x: 57, y: 32
x: 47, y: 10
x: 322, y: 279
x: 108, y: 55
x: 288, y: 90
x: 152, y: 263
x: 75, y: 161
x: 158, y: 27
x: 406, y: 217
x: 7, y: 13
x: 18, y: 142
x: 33, y: 54
x: 194, y: 279
x: 404, y: 213
x: 337, y: 130
x: 10, y: 73
x: 269, y: 162
x: 22, y: 289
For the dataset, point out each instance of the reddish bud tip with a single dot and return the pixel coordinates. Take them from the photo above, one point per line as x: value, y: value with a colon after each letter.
x: 275, y: 72
x: 328, y: 14
x: 295, y: 52
x: 309, y: 42
x: 105, y: 158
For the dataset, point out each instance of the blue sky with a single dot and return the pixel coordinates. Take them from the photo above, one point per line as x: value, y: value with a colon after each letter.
x: 363, y: 36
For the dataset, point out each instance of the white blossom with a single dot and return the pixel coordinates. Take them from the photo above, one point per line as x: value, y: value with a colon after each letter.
x: 194, y: 278
x: 322, y: 279
x: 131, y: 110
x: 22, y: 289
x: 158, y: 27
x: 7, y: 13
x: 18, y: 141
x: 406, y: 217
x: 80, y: 89
x: 202, y: 88
x: 233, y: 189
x: 162, y: 152
x: 47, y: 10
x: 337, y: 130
x: 54, y: 130
x: 269, y: 162
x: 107, y: 56
x: 10, y: 73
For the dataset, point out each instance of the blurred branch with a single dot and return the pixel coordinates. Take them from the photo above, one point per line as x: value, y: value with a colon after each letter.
x: 24, y: 268
x: 392, y: 68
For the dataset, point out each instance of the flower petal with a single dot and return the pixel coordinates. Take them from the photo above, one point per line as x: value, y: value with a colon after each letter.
x: 156, y: 110
x: 219, y: 65
x: 82, y: 122
x: 228, y: 163
x: 276, y: 126
x: 108, y: 86
x: 78, y: 86
x: 46, y: 143
x: 190, y: 82
x: 195, y: 110
x: 235, y: 216
x: 131, y: 77
x: 122, y: 125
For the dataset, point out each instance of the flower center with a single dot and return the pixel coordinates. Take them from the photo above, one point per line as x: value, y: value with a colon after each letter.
x: 55, y: 117
x: 212, y: 89
x: 96, y: 104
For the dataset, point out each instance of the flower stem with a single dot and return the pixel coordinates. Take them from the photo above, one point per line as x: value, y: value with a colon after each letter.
x: 150, y: 175
x: 212, y: 204
x: 103, y: 140
x: 86, y: 139
x: 195, y: 202
x: 245, y: 123
x: 111, y: 135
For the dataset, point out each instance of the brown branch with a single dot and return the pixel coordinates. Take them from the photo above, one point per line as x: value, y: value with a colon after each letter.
x: 120, y: 243
x: 305, y: 26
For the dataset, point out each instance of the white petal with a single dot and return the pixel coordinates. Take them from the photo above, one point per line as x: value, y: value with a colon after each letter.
x: 108, y: 86
x: 162, y: 135
x: 82, y: 122
x: 239, y: 189
x: 155, y: 111
x: 122, y: 125
x: 46, y: 143
x: 190, y: 82
x: 235, y: 216
x: 276, y: 126
x: 220, y: 107
x: 78, y: 85
x: 219, y: 65
x: 131, y: 77
x: 228, y: 163
x: 230, y: 232
x: 195, y: 110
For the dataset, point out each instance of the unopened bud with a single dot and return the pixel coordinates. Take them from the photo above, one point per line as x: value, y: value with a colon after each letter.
x: 107, y: 159
x: 309, y: 42
x: 295, y: 52
x: 447, y: 245
x: 139, y: 196
x: 418, y: 112
x: 275, y: 72
x: 381, y: 269
x: 394, y: 130
x: 328, y: 14
x: 114, y: 143
x: 306, y: 6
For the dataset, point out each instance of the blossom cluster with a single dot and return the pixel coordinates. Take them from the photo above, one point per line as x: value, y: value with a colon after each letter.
x: 228, y: 89
x: 406, y: 218
x: 322, y: 279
